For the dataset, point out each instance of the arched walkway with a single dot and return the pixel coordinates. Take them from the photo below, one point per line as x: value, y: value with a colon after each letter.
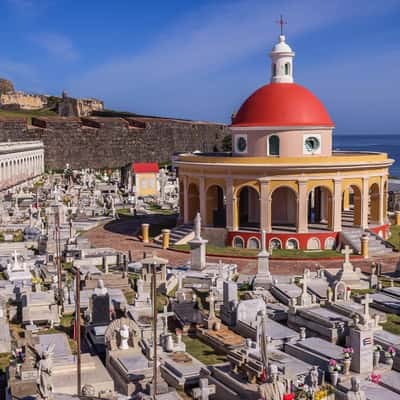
x: 351, y: 207
x: 193, y: 201
x: 374, y: 203
x: 216, y: 212
x: 284, y: 209
x: 249, y: 208
x: 320, y: 213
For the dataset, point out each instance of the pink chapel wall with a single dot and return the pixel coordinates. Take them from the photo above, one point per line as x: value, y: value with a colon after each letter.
x: 291, y: 142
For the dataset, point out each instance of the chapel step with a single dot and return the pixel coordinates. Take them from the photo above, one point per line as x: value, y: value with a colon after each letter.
x: 177, y: 234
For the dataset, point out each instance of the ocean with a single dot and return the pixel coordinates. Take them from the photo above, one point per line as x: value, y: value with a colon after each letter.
x: 381, y: 143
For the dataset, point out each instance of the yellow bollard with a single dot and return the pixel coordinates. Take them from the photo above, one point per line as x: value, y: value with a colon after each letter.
x: 364, y: 246
x: 397, y: 217
x: 145, y: 233
x: 165, y: 238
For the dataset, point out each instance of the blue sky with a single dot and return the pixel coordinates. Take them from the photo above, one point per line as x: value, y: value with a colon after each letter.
x: 201, y: 59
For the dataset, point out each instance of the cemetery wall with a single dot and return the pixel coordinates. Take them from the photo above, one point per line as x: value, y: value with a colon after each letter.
x: 96, y: 142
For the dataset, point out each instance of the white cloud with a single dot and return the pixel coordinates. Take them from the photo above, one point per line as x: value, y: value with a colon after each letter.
x: 56, y: 45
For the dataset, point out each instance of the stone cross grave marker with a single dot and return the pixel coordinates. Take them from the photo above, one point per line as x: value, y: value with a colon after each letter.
x: 366, y: 302
x: 347, y: 251
x: 164, y: 315
x: 204, y: 390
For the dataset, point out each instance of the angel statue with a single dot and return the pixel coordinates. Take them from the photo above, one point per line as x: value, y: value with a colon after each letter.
x: 45, y: 370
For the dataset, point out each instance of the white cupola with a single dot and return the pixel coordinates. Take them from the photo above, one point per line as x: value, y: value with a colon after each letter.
x: 282, y: 62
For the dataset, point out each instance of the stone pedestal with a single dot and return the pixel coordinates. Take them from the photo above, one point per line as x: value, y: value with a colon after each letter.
x: 263, y: 278
x: 362, y: 342
x: 198, y: 254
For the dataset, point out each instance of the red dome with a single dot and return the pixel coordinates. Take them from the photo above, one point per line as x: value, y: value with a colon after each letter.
x: 282, y: 104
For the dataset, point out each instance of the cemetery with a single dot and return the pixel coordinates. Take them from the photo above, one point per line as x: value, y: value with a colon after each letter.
x: 83, y: 317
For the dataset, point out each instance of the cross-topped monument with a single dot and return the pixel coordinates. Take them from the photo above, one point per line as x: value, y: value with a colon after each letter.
x: 347, y: 251
x: 164, y: 315
x: 366, y: 302
x: 281, y: 22
x: 204, y: 390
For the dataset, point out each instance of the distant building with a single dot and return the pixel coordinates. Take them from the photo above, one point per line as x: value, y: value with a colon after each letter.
x: 144, y: 179
x: 20, y: 162
x: 71, y: 107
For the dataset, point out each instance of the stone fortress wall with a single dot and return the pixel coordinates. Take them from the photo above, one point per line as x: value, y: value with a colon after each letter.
x: 22, y: 101
x: 101, y: 142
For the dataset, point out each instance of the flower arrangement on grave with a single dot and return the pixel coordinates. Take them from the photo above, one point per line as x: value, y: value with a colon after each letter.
x: 375, y: 378
x: 390, y: 352
x: 333, y: 366
x: 348, y: 353
x: 321, y: 394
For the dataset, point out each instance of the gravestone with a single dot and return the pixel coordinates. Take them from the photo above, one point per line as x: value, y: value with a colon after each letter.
x: 100, y: 306
x: 263, y: 278
x: 230, y: 302
x: 362, y: 342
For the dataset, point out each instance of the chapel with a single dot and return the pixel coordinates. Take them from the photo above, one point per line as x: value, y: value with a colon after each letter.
x: 282, y: 175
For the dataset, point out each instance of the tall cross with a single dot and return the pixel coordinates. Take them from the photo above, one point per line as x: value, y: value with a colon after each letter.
x: 347, y: 251
x: 366, y: 302
x: 165, y: 316
x: 281, y: 22
x: 204, y: 390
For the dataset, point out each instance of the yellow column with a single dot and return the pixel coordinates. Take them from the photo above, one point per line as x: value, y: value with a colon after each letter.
x: 364, y: 246
x: 382, y: 216
x: 397, y: 217
x: 185, y: 200
x: 364, y: 204
x: 302, y: 207
x: 265, y: 206
x: 229, y: 203
x: 235, y: 204
x: 165, y: 238
x: 145, y: 233
x: 203, y: 200
x: 337, y: 205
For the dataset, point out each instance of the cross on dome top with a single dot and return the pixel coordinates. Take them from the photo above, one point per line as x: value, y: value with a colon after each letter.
x: 281, y: 22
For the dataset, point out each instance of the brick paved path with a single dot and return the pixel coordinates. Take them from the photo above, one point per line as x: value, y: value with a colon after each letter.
x: 121, y: 235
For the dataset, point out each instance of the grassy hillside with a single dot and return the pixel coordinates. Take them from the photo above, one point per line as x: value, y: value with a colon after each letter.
x: 28, y: 114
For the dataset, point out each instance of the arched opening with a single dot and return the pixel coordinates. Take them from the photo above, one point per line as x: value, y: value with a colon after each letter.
x: 319, y: 208
x: 351, y: 207
x: 284, y: 209
x: 274, y: 69
x: 374, y: 203
x: 287, y: 69
x: 273, y: 145
x: 216, y: 212
x: 194, y: 201
x: 249, y: 208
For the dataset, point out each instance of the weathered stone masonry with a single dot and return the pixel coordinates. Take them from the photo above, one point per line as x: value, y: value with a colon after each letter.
x: 112, y: 142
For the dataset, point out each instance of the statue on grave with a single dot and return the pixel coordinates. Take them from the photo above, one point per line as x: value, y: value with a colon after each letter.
x: 355, y: 393
x: 314, y: 378
x: 124, y: 334
x: 44, y: 373
x: 274, y: 389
